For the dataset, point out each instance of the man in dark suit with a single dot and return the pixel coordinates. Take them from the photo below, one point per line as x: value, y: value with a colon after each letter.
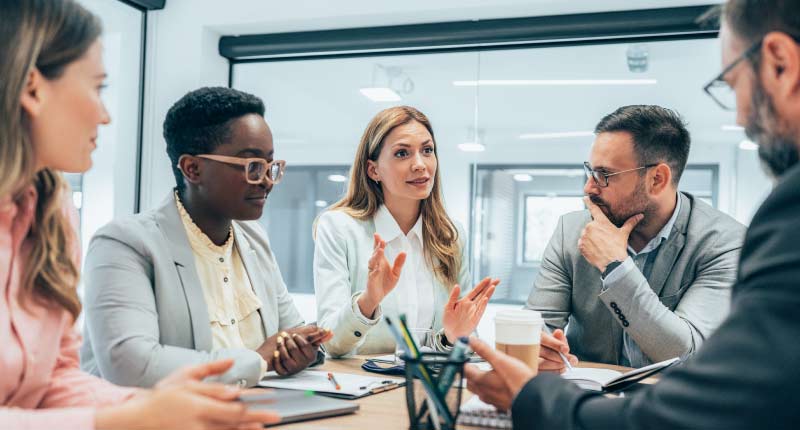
x: 746, y: 375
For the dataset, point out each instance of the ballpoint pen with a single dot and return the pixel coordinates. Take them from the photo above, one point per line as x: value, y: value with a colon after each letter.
x: 333, y: 381
x: 561, y: 354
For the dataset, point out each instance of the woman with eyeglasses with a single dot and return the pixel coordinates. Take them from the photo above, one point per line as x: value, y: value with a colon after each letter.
x: 194, y: 280
x: 388, y: 247
x: 50, y: 108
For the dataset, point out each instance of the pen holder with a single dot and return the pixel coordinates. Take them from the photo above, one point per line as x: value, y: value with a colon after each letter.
x: 418, y: 394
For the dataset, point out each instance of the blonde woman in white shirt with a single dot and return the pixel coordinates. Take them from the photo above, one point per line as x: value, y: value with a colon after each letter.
x: 393, y: 211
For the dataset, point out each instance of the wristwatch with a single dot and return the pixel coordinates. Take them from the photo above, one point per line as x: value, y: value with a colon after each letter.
x: 610, y: 268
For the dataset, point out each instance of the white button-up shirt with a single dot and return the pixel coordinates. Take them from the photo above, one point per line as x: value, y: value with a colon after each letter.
x: 414, y: 290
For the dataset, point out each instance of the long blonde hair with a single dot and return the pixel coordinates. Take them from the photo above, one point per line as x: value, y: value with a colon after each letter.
x: 364, y: 196
x: 43, y: 35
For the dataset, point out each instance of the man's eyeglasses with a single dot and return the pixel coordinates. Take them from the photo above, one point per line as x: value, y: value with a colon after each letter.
x: 719, y: 89
x: 601, y: 178
x: 256, y: 170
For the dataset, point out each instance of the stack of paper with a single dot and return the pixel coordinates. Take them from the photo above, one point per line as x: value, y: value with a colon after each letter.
x: 351, y: 386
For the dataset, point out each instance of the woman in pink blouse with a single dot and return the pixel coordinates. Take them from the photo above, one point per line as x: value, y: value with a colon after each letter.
x: 50, y: 108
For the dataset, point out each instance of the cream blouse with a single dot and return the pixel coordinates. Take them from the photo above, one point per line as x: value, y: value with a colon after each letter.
x: 232, y: 304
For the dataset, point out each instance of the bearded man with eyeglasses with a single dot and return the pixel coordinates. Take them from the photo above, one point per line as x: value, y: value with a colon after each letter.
x: 644, y: 273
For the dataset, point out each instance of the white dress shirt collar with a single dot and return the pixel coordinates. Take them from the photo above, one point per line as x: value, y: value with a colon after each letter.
x: 386, y: 226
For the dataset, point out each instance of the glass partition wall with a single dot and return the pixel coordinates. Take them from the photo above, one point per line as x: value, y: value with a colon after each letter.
x: 512, y: 126
x: 109, y: 189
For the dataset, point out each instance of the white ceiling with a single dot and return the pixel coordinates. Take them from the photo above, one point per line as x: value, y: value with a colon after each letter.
x: 260, y: 16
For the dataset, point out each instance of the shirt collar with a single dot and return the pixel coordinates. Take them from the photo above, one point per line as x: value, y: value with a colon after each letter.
x: 665, y: 231
x: 386, y: 226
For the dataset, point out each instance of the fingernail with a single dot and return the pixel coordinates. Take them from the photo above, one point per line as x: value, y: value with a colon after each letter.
x: 276, y: 354
x: 284, y: 334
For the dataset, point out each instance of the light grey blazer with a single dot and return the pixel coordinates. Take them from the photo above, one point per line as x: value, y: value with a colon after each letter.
x: 145, y: 311
x: 670, y: 314
x: 343, y: 247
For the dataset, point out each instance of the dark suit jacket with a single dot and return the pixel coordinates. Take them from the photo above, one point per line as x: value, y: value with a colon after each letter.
x: 746, y: 375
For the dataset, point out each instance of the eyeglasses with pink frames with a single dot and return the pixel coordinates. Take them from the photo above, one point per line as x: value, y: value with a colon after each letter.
x: 256, y: 170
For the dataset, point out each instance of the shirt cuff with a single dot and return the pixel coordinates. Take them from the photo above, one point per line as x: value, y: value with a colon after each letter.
x: 360, y: 316
x: 263, y: 366
x: 438, y: 342
x: 618, y: 273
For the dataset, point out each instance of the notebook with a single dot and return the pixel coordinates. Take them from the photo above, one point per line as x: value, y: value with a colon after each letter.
x: 608, y: 381
x: 350, y: 386
x: 479, y: 414
x: 293, y: 406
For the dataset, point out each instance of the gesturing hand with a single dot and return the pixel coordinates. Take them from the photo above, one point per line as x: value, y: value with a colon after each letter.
x: 501, y: 385
x: 182, y: 401
x: 601, y: 241
x: 382, y: 277
x: 462, y: 316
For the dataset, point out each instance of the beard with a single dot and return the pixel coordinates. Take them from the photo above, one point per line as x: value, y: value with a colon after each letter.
x: 636, y: 203
x: 777, y: 151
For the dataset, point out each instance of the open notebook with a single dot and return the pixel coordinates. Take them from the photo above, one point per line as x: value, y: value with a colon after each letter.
x: 608, y: 381
x: 350, y: 386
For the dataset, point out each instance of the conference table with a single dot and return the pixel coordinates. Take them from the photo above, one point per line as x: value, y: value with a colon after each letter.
x: 382, y: 411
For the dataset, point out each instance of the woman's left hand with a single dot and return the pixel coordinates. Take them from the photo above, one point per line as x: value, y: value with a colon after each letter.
x: 462, y: 316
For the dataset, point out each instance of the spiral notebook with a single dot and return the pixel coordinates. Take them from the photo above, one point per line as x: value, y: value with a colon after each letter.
x: 476, y: 413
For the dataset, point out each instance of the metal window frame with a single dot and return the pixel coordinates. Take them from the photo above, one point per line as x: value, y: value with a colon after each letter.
x: 505, y: 33
x: 143, y: 6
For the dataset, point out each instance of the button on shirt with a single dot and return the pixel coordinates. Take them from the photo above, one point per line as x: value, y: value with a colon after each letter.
x: 632, y: 355
x: 232, y: 304
x: 414, y: 290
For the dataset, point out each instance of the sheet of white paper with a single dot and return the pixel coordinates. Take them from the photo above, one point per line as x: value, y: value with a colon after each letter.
x: 351, y: 384
x: 591, y: 378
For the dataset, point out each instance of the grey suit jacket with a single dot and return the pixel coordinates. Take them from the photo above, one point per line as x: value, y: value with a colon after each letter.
x: 145, y: 311
x: 670, y: 314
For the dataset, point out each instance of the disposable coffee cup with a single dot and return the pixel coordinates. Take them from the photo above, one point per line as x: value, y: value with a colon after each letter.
x: 518, y: 333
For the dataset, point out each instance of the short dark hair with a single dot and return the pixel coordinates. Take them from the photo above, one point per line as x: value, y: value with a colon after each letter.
x: 659, y: 135
x: 751, y: 20
x: 200, y: 122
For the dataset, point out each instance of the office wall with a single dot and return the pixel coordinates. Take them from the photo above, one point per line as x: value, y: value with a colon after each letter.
x: 182, y: 45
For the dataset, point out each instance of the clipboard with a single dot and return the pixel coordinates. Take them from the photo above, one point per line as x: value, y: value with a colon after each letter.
x: 352, y: 386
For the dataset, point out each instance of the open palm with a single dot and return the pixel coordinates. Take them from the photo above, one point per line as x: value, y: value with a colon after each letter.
x: 462, y: 316
x: 382, y: 276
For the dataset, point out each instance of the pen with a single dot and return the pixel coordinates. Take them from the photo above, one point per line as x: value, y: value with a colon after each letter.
x: 333, y: 381
x: 561, y: 354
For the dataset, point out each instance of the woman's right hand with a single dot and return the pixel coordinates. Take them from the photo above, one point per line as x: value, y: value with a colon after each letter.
x: 182, y: 401
x: 382, y: 278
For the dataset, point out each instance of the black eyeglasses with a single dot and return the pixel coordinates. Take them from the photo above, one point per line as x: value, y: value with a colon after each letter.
x: 601, y: 178
x: 718, y: 88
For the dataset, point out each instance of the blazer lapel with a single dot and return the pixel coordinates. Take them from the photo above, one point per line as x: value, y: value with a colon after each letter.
x: 257, y: 281
x: 171, y: 226
x: 671, y: 249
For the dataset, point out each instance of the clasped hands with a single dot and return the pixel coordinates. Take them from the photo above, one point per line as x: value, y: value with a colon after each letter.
x: 601, y: 241
x: 292, y: 350
x: 461, y: 316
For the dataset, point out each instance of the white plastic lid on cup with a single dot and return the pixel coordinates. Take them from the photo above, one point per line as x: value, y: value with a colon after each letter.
x: 518, y: 327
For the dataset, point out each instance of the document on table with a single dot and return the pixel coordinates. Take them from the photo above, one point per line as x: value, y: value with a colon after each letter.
x: 351, y: 386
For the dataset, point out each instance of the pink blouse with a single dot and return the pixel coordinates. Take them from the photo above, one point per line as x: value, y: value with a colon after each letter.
x: 41, y: 384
